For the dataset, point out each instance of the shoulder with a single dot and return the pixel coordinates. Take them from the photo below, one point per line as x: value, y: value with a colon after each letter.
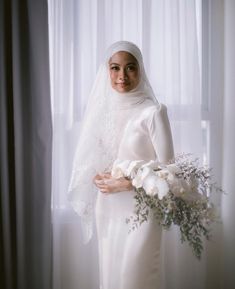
x: 150, y: 113
x: 155, y: 110
x: 156, y: 116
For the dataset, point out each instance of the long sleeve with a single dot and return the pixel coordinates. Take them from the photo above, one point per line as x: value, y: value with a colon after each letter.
x: 160, y: 134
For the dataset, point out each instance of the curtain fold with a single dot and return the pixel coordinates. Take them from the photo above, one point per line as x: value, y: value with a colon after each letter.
x: 26, y: 145
x: 7, y: 181
x: 228, y: 200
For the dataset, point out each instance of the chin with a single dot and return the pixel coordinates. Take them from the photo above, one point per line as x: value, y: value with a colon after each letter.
x: 122, y: 90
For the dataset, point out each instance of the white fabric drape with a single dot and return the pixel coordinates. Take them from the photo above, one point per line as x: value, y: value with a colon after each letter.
x: 228, y: 201
x: 80, y: 31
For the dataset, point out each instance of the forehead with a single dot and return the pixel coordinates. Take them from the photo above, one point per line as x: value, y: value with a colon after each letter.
x: 122, y: 57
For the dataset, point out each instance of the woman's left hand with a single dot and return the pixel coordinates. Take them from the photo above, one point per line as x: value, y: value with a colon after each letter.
x: 107, y: 184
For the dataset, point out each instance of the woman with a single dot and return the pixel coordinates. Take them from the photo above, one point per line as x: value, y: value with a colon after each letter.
x: 123, y: 120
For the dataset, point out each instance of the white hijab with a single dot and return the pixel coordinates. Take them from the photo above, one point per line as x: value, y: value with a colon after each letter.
x: 106, y: 115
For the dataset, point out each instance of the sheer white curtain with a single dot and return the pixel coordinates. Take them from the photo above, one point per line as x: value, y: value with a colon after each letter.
x: 168, y: 33
x: 228, y: 201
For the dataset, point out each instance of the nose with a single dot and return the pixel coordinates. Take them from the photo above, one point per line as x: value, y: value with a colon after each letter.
x: 122, y: 74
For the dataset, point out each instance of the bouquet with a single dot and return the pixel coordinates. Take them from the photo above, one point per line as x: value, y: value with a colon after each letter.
x: 174, y: 193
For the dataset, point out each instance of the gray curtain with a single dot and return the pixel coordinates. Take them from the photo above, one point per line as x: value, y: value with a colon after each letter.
x: 25, y: 146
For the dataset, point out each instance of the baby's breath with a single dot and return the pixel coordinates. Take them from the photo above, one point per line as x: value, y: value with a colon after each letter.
x: 193, y: 217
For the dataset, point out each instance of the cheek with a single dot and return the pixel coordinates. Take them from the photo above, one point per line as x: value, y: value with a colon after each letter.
x: 135, y: 77
x: 113, y: 76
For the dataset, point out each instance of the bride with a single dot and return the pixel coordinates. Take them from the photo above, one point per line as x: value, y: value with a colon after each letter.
x: 123, y: 120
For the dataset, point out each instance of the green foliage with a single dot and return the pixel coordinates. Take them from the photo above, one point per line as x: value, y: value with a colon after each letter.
x: 193, y: 217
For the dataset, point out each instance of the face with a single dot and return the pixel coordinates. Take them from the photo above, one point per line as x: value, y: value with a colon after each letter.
x: 124, y: 71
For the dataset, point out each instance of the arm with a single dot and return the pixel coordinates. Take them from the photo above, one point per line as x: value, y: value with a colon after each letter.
x: 160, y: 134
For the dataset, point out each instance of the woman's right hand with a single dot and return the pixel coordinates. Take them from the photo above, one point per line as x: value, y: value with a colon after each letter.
x: 99, y: 178
x: 107, y: 184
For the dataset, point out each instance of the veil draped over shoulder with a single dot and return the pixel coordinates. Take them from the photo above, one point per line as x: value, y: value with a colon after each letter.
x: 106, y: 115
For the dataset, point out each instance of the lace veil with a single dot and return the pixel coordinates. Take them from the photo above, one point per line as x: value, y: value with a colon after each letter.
x: 106, y: 115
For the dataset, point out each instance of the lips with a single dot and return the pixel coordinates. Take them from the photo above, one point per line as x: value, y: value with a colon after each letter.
x: 122, y: 83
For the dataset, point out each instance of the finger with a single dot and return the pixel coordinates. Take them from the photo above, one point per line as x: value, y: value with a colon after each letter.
x: 99, y: 185
x: 104, y: 191
x: 94, y: 180
x: 102, y: 187
x: 105, y: 175
x: 99, y: 182
x: 98, y: 177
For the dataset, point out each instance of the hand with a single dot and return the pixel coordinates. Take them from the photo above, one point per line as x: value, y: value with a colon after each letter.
x: 107, y: 184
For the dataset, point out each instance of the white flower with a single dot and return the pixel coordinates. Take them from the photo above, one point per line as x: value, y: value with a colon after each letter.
x: 119, y: 168
x: 169, y: 173
x: 179, y: 187
x: 163, y: 174
x: 150, y: 185
x: 186, y: 190
x: 133, y: 167
x: 193, y: 183
x: 163, y: 188
x: 173, y: 168
x: 155, y: 186
x: 117, y: 173
x: 140, y: 176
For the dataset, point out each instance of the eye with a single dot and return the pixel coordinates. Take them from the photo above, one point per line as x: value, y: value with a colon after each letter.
x: 131, y: 67
x: 114, y: 67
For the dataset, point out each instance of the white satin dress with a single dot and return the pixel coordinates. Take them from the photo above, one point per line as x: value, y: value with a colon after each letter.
x: 130, y: 260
